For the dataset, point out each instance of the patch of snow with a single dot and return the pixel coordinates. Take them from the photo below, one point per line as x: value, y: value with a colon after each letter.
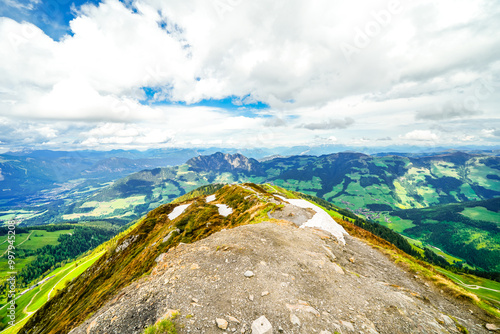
x: 210, y: 198
x: 177, y: 211
x: 224, y: 210
x: 321, y: 219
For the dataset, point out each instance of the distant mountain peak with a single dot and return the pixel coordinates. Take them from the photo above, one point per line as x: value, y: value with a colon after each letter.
x: 347, y: 155
x: 224, y: 162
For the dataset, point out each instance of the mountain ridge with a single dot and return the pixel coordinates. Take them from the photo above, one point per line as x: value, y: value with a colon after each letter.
x: 224, y: 162
x: 242, y: 265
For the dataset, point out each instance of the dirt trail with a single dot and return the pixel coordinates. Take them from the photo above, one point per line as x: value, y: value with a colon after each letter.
x: 22, y: 242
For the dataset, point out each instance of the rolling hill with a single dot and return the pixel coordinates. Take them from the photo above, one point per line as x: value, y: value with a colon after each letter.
x: 362, y: 183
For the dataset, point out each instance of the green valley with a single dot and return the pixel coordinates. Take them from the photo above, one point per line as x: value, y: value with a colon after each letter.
x: 367, y: 185
x: 383, y: 188
x: 484, y: 288
x: 469, y: 230
x: 26, y: 245
x: 42, y: 253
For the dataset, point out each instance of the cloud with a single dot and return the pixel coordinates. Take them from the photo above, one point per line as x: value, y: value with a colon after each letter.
x: 124, y: 134
x: 330, y: 124
x: 22, y: 5
x: 17, y: 135
x: 332, y: 139
x: 172, y: 46
x: 490, y: 133
x: 421, y: 135
x: 286, y: 55
x: 276, y: 122
x: 448, y: 111
x: 75, y: 99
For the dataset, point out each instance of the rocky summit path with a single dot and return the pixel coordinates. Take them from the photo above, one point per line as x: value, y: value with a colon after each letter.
x: 282, y: 279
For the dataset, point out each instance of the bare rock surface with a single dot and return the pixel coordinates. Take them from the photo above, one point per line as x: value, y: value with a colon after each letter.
x: 311, y: 284
x: 296, y: 215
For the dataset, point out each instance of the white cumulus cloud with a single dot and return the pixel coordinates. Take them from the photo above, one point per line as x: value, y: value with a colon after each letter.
x: 421, y: 135
x: 144, y: 62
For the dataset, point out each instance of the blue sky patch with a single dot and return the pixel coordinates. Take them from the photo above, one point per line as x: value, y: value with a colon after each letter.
x: 233, y: 103
x: 52, y: 16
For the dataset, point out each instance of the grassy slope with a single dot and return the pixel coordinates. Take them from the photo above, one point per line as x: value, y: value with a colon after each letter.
x: 36, y: 298
x: 20, y: 263
x: 484, y: 288
x: 91, y: 290
x: 419, y: 246
x: 482, y: 213
x: 40, y: 238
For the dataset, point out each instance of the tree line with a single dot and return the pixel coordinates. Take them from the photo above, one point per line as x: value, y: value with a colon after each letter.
x: 70, y: 246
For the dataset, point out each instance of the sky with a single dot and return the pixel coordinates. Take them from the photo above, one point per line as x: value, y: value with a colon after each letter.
x: 240, y: 73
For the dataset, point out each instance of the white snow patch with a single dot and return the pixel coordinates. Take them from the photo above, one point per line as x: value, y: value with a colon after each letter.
x: 177, y: 211
x: 224, y: 210
x: 210, y: 198
x: 321, y: 219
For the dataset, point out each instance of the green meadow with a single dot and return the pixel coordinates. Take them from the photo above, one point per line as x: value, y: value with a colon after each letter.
x: 27, y: 241
x: 482, y: 213
x: 484, y: 288
x: 31, y: 301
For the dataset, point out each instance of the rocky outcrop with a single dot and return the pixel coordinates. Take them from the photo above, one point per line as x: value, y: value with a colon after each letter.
x: 278, y: 278
x: 222, y: 162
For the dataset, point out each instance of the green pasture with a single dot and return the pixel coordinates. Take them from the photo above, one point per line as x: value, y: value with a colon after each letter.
x: 484, y: 288
x: 36, y: 298
x: 481, y: 213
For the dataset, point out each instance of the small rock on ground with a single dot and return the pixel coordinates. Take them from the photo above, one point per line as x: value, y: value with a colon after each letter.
x: 262, y: 326
x: 221, y: 323
x: 249, y: 273
x: 294, y: 319
x: 492, y: 327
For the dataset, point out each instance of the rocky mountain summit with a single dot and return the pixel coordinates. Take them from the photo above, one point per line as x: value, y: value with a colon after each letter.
x: 224, y: 162
x: 268, y: 265
x: 300, y: 280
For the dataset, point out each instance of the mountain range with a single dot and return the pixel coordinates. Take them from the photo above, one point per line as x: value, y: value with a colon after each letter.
x: 380, y: 188
x: 353, y: 179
